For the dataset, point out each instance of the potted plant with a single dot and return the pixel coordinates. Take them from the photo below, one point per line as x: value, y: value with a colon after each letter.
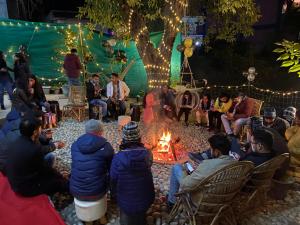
x: 55, y: 89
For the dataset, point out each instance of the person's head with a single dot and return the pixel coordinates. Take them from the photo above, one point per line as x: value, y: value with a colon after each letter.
x: 94, y: 127
x: 73, y: 51
x: 219, y: 144
x: 19, y: 58
x: 261, y: 141
x: 31, y: 127
x: 2, y: 56
x: 165, y: 89
x: 289, y: 113
x: 297, y: 120
x: 131, y: 133
x: 114, y: 77
x: 269, y: 116
x: 95, y: 78
x: 224, y: 97
x: 32, y: 80
x: 187, y: 94
x: 206, y: 98
x: 238, y: 97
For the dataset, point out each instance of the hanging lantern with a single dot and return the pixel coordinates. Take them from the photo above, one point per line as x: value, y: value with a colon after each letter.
x: 188, y: 43
x: 188, y: 52
x: 180, y: 48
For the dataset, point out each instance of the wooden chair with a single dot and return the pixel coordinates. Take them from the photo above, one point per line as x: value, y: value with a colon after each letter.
x: 76, y: 107
x: 216, y: 193
x: 257, y: 187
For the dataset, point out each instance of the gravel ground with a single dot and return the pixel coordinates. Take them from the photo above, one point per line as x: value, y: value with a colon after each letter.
x: 285, y: 212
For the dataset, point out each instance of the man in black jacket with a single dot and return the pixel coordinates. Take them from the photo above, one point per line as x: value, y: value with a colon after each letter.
x: 26, y: 169
x: 93, y: 94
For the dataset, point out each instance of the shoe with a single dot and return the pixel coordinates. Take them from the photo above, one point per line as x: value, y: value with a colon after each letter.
x: 196, y: 157
x: 3, y: 107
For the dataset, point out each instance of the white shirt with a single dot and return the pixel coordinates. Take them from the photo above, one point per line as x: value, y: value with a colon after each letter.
x: 124, y: 90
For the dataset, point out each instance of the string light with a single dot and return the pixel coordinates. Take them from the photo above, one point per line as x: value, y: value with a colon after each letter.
x: 129, y: 20
x: 140, y: 33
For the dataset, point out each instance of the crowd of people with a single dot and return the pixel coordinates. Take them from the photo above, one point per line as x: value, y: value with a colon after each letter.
x: 26, y: 150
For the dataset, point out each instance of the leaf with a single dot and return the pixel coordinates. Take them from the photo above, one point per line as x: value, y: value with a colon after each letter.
x: 279, y: 50
x: 294, y: 68
x: 283, y: 56
x: 287, y: 63
x: 278, y: 43
x: 299, y: 74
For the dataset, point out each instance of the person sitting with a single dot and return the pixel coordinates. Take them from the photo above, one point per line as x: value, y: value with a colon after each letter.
x: 180, y: 180
x: 289, y: 114
x: 93, y: 94
x: 167, y: 103
x: 26, y: 170
x: 22, y: 98
x: 131, y: 177
x: 273, y: 121
x: 117, y: 91
x: 186, y: 106
x: 206, y: 104
x: 292, y: 135
x: 221, y: 106
x: 261, y: 147
x: 150, y: 103
x: 38, y: 96
x: 240, y: 115
x: 91, y: 155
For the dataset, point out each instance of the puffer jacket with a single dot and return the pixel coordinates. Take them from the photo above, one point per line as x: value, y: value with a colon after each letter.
x: 91, y: 160
x: 132, y: 180
x: 12, y: 121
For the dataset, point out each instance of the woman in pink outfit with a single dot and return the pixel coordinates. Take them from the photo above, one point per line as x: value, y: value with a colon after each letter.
x: 150, y: 104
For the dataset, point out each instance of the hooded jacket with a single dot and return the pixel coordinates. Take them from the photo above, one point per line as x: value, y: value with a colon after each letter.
x: 132, y: 179
x: 91, y: 160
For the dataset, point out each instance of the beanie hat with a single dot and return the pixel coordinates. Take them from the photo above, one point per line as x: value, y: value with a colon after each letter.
x: 270, y: 112
x: 289, y: 113
x: 255, y: 123
x: 92, y: 126
x: 263, y: 136
x: 131, y: 132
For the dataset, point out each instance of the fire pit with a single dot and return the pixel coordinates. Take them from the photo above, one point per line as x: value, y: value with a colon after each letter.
x: 169, y: 150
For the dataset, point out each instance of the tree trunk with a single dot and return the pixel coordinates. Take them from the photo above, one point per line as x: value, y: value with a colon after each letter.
x: 157, y: 61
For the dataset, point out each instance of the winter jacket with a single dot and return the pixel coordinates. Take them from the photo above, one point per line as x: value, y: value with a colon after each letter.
x: 132, y: 179
x: 123, y: 88
x: 90, y: 92
x: 91, y: 160
x: 292, y: 134
x: 21, y: 100
x: 72, y: 66
x: 12, y: 121
x: 4, y: 75
x: 27, y: 171
x: 258, y: 158
x: 244, y: 109
x: 280, y: 125
x: 222, y: 107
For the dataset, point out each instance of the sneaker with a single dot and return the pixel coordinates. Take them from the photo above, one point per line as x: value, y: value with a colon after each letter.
x: 3, y: 107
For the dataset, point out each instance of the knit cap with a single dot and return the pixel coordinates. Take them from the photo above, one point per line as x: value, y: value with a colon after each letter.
x: 289, y: 113
x: 131, y: 132
x: 270, y: 112
x: 92, y: 126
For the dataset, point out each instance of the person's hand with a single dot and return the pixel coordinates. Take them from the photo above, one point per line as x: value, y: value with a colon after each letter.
x: 65, y: 174
x: 48, y: 134
x: 31, y: 91
x: 59, y: 144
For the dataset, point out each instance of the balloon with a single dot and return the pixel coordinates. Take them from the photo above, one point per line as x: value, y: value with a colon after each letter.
x: 180, y: 48
x: 112, y: 42
x: 188, y: 42
x: 188, y: 52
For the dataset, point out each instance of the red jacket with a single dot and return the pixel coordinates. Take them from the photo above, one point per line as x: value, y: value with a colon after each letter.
x: 72, y: 66
x: 244, y: 109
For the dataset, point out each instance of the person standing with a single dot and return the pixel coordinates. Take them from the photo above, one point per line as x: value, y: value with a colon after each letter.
x: 93, y: 94
x: 117, y: 91
x: 72, y: 68
x: 131, y: 177
x: 21, y: 68
x: 167, y: 103
x: 5, y: 80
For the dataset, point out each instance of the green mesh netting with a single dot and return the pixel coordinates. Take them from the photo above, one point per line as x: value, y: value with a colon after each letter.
x: 44, y: 39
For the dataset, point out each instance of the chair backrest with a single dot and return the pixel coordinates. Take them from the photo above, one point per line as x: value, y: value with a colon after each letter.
x: 77, y: 94
x: 262, y: 175
x: 196, y: 99
x: 257, y: 104
x: 221, y: 187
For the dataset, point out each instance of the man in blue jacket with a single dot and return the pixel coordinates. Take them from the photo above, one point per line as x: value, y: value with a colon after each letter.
x: 131, y: 177
x: 91, y: 159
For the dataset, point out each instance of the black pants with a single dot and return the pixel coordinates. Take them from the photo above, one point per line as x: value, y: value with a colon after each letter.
x: 114, y: 109
x: 186, y: 112
x: 211, y: 116
x: 133, y: 219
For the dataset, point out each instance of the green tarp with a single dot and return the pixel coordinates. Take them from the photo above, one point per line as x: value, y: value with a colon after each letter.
x: 43, y: 40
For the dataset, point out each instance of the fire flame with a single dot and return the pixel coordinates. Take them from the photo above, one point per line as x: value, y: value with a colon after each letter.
x: 164, y: 142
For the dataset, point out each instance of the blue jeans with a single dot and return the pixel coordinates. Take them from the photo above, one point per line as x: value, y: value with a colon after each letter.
x: 176, y: 176
x: 7, y: 85
x: 50, y: 159
x: 74, y: 81
x: 100, y: 103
